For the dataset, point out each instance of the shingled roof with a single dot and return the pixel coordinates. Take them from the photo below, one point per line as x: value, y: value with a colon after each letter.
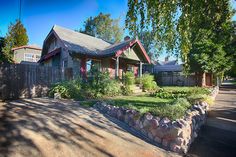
x: 83, y: 44
x: 79, y: 42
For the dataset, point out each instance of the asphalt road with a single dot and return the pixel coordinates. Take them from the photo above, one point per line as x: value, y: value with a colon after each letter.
x: 217, y: 138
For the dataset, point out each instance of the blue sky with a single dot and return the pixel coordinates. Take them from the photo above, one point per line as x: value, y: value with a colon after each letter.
x: 38, y: 16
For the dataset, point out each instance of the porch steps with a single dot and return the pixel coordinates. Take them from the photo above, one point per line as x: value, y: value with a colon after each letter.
x: 136, y: 89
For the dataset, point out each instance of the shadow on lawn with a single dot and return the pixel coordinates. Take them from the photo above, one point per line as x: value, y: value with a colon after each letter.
x: 39, y: 116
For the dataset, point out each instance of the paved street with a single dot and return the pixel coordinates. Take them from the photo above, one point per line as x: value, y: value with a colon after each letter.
x: 218, y: 137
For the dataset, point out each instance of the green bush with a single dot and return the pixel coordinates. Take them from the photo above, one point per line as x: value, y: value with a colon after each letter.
x: 181, y: 92
x: 101, y: 85
x: 173, y: 111
x: 129, y: 78
x: 148, y: 82
x: 138, y: 81
x: 97, y: 86
x: 67, y: 89
x: 127, y: 90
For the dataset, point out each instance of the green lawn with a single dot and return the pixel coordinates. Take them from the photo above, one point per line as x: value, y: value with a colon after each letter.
x: 157, y: 106
x: 162, y: 107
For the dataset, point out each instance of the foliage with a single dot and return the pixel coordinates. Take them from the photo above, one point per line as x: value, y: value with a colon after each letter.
x: 156, y: 106
x: 129, y: 78
x: 67, y: 89
x: 148, y: 82
x: 16, y: 36
x: 173, y: 111
x: 200, y: 31
x: 104, y: 27
x: 87, y: 103
x: 2, y: 45
x: 149, y: 43
x: 126, y: 90
x: 180, y: 92
x: 128, y: 82
x: 101, y: 85
x: 200, y: 97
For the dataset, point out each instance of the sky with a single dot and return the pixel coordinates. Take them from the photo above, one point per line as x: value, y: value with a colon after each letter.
x: 39, y: 16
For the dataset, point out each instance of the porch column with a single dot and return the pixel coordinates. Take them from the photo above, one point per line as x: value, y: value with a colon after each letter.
x: 140, y: 69
x: 117, y: 68
x: 83, y: 67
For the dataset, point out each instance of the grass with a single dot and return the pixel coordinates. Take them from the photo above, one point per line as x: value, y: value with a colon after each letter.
x: 157, y: 106
x: 161, y: 107
x: 88, y: 103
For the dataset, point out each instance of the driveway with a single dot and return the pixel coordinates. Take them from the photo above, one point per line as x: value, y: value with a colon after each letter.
x: 218, y: 137
x: 52, y: 128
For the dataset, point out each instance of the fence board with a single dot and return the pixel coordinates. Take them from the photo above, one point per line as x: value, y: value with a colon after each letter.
x: 26, y: 81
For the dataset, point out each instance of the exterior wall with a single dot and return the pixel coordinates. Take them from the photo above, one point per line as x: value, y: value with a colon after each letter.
x: 19, y: 54
x: 130, y: 54
x: 53, y: 44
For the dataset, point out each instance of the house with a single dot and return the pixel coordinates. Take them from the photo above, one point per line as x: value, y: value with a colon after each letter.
x: 65, y: 48
x: 27, y: 54
x: 170, y: 73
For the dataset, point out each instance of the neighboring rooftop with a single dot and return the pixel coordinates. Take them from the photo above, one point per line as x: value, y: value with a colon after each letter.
x: 27, y: 46
x: 173, y: 62
x: 168, y: 68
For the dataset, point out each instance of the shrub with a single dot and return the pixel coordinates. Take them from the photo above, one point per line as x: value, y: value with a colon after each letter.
x: 173, y: 111
x: 181, y: 92
x: 96, y: 87
x: 126, y: 90
x: 101, y: 85
x: 138, y: 81
x: 198, y: 97
x: 112, y: 88
x: 128, y: 78
x: 67, y: 89
x: 148, y: 82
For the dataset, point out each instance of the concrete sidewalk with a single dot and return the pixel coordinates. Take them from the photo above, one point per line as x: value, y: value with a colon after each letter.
x: 218, y: 137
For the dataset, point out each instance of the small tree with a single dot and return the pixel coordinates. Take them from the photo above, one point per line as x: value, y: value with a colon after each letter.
x: 104, y: 27
x: 16, y: 36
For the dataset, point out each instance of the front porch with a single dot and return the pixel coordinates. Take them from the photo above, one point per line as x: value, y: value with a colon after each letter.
x: 116, y: 66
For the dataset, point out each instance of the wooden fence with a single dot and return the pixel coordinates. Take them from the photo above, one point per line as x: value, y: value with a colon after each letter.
x: 176, y: 80
x: 26, y: 81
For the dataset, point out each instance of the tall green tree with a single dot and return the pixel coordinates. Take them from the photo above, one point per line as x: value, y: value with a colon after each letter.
x: 16, y: 36
x: 149, y: 44
x: 104, y: 27
x: 200, y: 31
x: 2, y: 45
x: 173, y: 22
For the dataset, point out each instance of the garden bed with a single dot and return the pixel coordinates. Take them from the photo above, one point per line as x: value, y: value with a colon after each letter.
x: 175, y: 134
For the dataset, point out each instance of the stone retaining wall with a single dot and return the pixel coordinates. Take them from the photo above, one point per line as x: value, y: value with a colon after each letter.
x: 172, y: 135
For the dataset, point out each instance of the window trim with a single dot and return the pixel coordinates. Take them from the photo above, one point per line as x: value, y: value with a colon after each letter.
x: 28, y: 60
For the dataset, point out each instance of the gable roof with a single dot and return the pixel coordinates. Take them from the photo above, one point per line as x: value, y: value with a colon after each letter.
x: 83, y: 44
x: 79, y: 42
x: 173, y: 62
x: 168, y: 68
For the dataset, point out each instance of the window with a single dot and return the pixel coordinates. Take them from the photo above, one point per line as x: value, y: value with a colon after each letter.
x: 29, y: 57
x: 93, y: 66
x: 65, y: 63
x: 130, y: 67
x: 37, y: 57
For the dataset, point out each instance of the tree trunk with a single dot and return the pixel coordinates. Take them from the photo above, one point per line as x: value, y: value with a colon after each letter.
x: 203, y: 79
